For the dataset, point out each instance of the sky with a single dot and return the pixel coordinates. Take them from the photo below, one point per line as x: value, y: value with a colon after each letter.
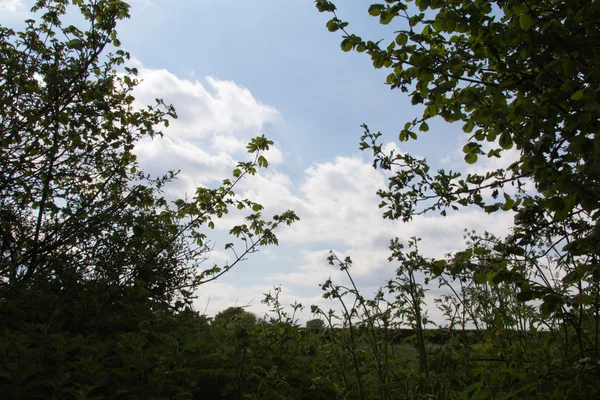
x: 238, y: 69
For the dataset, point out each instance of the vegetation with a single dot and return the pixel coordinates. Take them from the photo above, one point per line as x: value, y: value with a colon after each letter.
x: 98, y: 268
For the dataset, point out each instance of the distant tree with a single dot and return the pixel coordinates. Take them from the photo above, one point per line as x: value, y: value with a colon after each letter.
x: 315, y: 324
x: 235, y: 316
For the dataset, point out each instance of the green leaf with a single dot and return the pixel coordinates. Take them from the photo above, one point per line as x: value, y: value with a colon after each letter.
x: 333, y: 25
x: 468, y: 127
x: 386, y: 17
x: 492, y: 208
x: 325, y: 6
x: 422, y: 4
x: 584, y: 299
x: 556, y: 203
x: 572, y: 277
x: 402, y: 39
x: 378, y: 61
x: 509, y: 202
x: 505, y: 141
x: 577, y: 95
x: 262, y: 162
x: 525, y: 296
x: 438, y: 24
x: 346, y: 45
x: 449, y: 25
x: 471, y: 158
x: 76, y: 44
x: 525, y: 21
x: 454, y: 341
x: 376, y: 9
x: 471, y: 147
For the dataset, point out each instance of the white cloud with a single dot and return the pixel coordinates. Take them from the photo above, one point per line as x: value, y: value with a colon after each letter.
x: 274, y: 155
x: 11, y: 6
x: 313, y: 271
x: 336, y: 200
x: 146, y: 3
x: 228, y: 143
x: 214, y: 126
x: 338, y: 206
x: 224, y: 108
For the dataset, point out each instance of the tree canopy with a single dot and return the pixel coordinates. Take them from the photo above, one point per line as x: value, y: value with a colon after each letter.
x: 519, y: 76
x: 235, y: 316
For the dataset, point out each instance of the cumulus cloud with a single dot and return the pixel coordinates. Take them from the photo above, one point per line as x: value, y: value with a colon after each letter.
x: 216, y: 119
x: 146, y: 3
x: 339, y: 208
x: 336, y: 200
x: 313, y: 271
x: 221, y: 107
x: 338, y: 204
x: 11, y: 6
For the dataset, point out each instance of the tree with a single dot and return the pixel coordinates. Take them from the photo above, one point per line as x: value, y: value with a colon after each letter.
x: 89, y: 245
x: 315, y: 324
x: 235, y: 316
x: 519, y: 76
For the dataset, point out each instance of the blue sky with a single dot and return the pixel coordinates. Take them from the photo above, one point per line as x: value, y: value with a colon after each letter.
x: 235, y: 69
